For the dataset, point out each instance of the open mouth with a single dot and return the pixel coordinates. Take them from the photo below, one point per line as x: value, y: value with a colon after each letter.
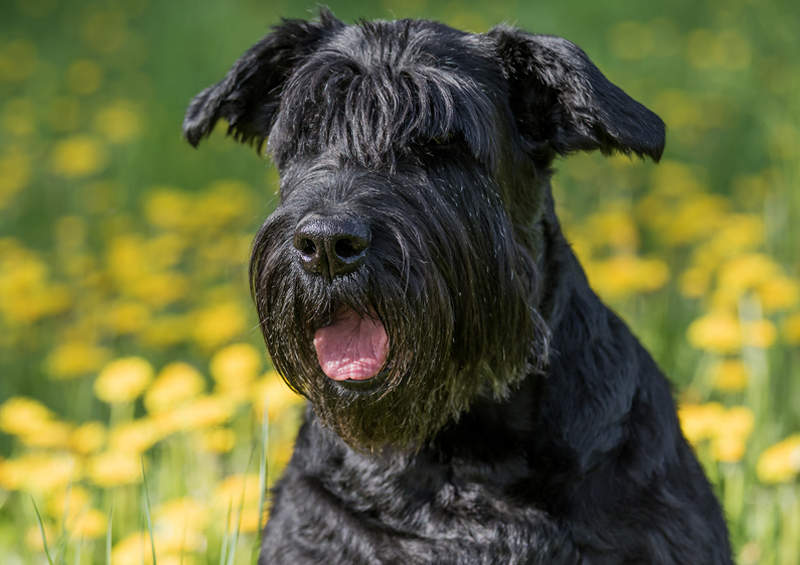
x: 351, y: 348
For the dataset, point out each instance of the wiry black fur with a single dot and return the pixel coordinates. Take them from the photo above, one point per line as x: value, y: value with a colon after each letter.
x: 516, y: 420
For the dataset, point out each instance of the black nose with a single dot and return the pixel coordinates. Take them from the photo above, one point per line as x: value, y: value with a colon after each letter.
x: 331, y: 246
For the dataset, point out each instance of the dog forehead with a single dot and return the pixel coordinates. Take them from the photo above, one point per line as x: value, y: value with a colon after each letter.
x: 375, y: 88
x: 403, y: 44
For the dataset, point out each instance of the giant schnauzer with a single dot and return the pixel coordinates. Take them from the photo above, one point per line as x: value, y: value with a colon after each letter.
x: 471, y: 399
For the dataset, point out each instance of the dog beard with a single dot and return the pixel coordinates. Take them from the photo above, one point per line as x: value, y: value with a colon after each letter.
x: 390, y: 353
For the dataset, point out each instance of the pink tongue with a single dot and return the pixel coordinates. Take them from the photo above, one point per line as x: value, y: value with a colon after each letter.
x: 352, y: 347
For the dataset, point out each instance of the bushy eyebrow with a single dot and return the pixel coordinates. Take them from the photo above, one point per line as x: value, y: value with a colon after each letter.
x: 372, y: 104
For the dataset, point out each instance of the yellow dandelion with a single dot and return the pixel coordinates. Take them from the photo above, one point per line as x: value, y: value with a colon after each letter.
x: 237, y: 489
x: 166, y: 249
x: 47, y: 433
x: 26, y: 294
x: 183, y: 513
x: 75, y: 358
x: 160, y: 289
x: 623, y: 275
x: 737, y: 421
x: 727, y: 49
x: 730, y: 434
x: 73, y: 507
x: 695, y: 281
x: 235, y: 366
x: 202, y: 412
x: 780, y: 463
x: 127, y: 258
x: 717, y: 331
x: 15, y: 173
x: 17, y: 60
x: 21, y: 415
x: 219, y: 440
x: 119, y: 122
x: 614, y: 227
x: 680, y: 110
x: 225, y: 202
x: 68, y: 503
x: 728, y: 448
x: 759, y: 333
x: 168, y: 208
x: 84, y: 76
x: 78, y: 156
x: 33, y: 536
x: 280, y: 451
x: 133, y: 549
x: 245, y: 521
x: 700, y: 421
x: 175, y: 384
x: 36, y: 302
x: 272, y: 394
x: 126, y: 317
x: 695, y: 218
x: 748, y: 271
x: 123, y: 380
x: 791, y: 329
x: 172, y: 548
x: 19, y: 116
x: 779, y: 293
x: 39, y: 472
x: 219, y: 324
x: 673, y: 178
x: 136, y: 436
x: 89, y: 524
x: 112, y: 468
x: 729, y: 375
x: 225, y: 250
x: 172, y: 539
x: 88, y: 438
x: 167, y: 330
x: 34, y: 424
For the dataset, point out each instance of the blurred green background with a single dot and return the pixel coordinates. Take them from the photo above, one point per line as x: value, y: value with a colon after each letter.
x: 135, y: 394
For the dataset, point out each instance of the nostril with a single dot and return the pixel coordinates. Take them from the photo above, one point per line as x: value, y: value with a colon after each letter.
x: 347, y: 248
x: 306, y: 246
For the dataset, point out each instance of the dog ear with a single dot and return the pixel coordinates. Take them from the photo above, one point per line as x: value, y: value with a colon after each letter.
x: 563, y: 103
x: 249, y: 95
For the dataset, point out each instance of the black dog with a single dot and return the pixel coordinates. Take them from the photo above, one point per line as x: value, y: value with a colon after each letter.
x: 471, y: 399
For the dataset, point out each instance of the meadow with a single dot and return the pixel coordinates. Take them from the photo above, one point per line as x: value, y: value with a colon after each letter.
x: 140, y: 418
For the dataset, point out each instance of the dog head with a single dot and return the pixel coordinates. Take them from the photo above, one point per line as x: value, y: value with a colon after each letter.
x: 396, y: 281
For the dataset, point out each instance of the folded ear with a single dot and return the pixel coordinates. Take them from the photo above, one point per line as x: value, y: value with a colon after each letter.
x: 249, y: 95
x: 563, y: 103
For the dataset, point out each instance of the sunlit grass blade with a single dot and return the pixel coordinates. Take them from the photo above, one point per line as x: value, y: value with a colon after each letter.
x: 108, y: 535
x: 263, y: 468
x: 223, y: 552
x: 78, y: 552
x: 65, y: 513
x: 41, y: 530
x: 232, y: 554
x: 263, y: 477
x: 147, y: 513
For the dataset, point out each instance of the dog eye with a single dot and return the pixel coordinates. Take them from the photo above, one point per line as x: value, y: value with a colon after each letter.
x: 444, y: 141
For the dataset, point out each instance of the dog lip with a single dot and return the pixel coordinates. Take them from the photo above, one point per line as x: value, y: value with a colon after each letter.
x: 363, y: 386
